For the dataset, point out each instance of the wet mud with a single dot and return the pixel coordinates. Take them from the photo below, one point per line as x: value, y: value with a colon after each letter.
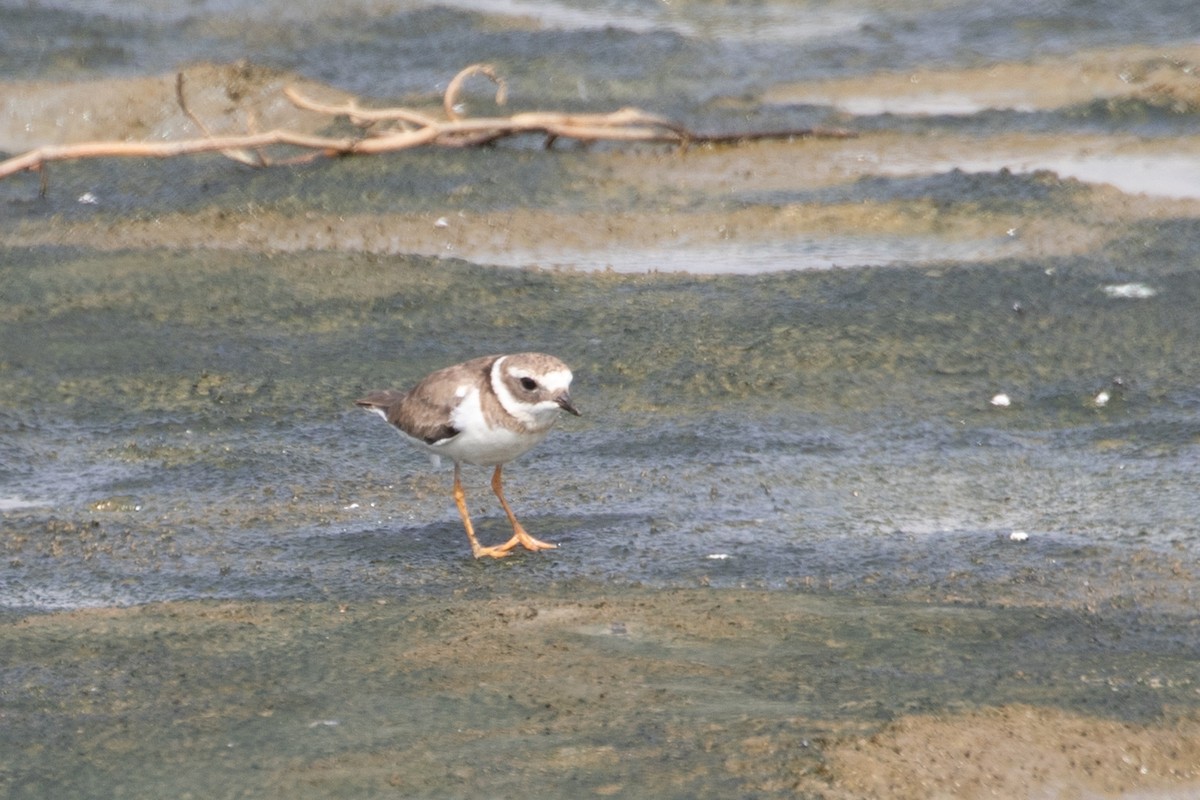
x: 581, y: 690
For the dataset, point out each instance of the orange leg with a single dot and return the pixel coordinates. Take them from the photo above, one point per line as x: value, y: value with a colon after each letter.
x: 520, y: 537
x: 460, y: 499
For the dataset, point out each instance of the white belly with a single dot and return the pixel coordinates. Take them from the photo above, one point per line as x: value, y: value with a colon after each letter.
x: 487, y: 447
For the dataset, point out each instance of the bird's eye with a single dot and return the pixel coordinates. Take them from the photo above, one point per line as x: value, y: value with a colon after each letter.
x: 528, y: 384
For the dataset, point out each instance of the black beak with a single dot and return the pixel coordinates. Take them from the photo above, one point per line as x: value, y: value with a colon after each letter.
x: 564, y: 402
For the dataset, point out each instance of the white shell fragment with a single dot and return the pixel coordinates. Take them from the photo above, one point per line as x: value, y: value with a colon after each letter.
x: 1101, y: 399
x: 1018, y: 536
x: 1130, y: 291
x: 1001, y: 400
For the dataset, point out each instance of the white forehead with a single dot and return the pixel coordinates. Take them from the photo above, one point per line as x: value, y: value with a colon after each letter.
x: 557, y: 381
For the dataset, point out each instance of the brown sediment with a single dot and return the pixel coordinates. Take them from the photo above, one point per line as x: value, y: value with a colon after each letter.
x: 647, y: 693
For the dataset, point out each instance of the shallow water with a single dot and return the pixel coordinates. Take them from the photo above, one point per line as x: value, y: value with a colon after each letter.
x: 756, y: 258
x: 1161, y: 175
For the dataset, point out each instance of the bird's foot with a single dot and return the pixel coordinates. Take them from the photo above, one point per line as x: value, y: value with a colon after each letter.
x: 499, y: 551
x: 520, y: 537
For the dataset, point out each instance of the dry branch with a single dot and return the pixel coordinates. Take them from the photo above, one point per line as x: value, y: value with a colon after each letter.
x: 448, y: 101
x: 240, y: 156
x: 409, y: 129
x: 363, y: 117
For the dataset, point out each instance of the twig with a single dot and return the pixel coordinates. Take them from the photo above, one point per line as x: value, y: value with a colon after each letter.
x: 780, y: 135
x: 38, y: 157
x: 452, y: 90
x: 363, y: 117
x: 240, y: 156
x: 416, y: 129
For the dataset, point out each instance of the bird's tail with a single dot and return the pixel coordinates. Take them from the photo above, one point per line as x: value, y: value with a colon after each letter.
x: 379, y: 401
x: 379, y: 398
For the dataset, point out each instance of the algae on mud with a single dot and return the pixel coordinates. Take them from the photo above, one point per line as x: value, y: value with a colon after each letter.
x: 752, y: 408
x: 576, y: 689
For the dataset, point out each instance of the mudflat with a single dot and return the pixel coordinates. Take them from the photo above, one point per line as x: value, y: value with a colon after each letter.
x: 287, y: 609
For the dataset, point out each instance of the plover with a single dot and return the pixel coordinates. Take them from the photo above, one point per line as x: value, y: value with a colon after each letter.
x: 486, y: 411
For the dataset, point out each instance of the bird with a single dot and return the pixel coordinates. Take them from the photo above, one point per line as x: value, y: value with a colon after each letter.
x: 486, y: 412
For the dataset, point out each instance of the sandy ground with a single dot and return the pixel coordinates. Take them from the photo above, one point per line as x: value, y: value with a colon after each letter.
x: 1161, y: 75
x: 637, y: 693
x: 237, y: 98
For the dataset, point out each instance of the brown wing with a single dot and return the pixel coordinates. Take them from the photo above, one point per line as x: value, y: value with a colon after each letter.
x: 426, y: 409
x: 412, y: 414
x: 419, y: 413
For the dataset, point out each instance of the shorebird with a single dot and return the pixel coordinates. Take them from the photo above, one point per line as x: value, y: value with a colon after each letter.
x: 486, y: 411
